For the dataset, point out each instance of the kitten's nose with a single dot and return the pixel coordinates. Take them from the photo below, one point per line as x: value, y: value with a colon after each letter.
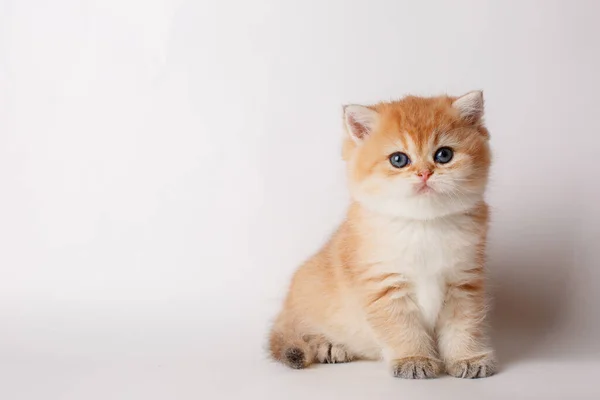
x: 424, y: 174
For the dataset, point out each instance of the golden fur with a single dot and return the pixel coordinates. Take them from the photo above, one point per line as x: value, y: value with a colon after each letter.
x: 402, y: 277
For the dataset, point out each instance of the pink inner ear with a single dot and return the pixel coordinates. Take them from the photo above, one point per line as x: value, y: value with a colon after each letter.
x: 358, y: 130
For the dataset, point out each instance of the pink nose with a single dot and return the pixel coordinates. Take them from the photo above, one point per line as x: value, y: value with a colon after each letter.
x: 424, y: 174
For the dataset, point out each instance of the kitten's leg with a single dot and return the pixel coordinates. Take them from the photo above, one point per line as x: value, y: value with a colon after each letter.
x: 289, y: 342
x: 462, y: 337
x: 299, y: 351
x: 407, y: 345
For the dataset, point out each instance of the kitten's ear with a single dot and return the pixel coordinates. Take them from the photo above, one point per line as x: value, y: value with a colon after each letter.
x: 470, y: 106
x: 359, y: 121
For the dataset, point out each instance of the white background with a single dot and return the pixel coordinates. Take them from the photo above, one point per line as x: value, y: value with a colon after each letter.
x: 166, y: 164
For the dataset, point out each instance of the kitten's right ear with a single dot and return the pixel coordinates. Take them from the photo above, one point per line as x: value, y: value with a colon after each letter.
x: 470, y: 106
x: 359, y: 121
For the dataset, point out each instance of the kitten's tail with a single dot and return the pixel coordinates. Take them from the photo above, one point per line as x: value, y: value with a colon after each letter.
x: 290, y: 347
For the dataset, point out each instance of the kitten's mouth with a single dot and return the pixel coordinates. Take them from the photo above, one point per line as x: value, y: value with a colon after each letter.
x: 423, y: 188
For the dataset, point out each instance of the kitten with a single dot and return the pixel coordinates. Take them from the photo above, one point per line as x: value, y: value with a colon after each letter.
x: 403, y: 276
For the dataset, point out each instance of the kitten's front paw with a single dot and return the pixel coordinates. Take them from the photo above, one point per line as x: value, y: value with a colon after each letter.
x: 416, y: 368
x: 476, y: 367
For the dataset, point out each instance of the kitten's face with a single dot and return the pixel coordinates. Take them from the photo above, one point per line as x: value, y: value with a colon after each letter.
x: 420, y: 158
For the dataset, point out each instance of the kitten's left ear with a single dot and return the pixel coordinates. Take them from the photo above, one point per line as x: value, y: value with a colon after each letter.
x: 470, y: 105
x: 360, y: 121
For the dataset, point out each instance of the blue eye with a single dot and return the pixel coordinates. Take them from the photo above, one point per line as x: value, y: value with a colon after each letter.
x: 443, y: 155
x: 399, y: 160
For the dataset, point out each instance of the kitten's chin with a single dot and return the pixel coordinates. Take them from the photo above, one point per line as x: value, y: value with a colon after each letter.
x: 427, y: 207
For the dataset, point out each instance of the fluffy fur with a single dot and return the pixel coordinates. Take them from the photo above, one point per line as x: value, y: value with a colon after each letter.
x: 402, y: 279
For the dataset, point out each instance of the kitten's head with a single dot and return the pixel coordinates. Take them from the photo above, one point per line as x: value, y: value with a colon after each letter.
x: 420, y: 158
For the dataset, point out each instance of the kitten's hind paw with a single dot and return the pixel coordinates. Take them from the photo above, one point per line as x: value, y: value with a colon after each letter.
x: 416, y: 368
x: 476, y: 367
x: 329, y: 353
x: 295, y: 358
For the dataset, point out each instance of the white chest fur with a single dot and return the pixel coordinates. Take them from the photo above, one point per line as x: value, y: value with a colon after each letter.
x: 427, y: 254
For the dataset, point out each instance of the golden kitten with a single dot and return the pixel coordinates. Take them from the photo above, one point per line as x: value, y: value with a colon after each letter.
x: 403, y: 277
